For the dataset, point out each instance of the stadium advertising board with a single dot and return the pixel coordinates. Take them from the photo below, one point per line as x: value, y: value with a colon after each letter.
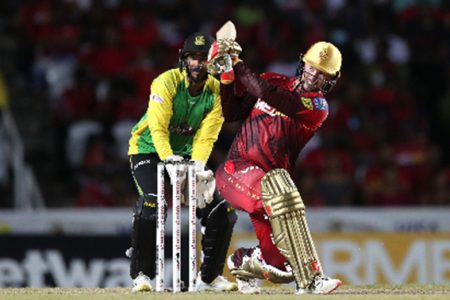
x: 99, y: 261
x: 376, y: 258
x: 64, y: 261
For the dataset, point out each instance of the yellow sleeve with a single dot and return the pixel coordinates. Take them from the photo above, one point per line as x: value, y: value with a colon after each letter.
x: 160, y: 112
x: 209, y: 130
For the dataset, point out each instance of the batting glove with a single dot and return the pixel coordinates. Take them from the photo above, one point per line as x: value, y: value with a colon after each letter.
x: 217, y: 63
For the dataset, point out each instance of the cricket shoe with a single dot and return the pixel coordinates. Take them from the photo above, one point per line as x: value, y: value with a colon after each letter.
x: 236, y: 262
x: 248, y: 286
x: 321, y: 285
x: 142, y: 284
x: 219, y: 284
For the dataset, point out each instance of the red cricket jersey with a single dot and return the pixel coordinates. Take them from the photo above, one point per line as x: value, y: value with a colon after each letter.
x: 277, y: 120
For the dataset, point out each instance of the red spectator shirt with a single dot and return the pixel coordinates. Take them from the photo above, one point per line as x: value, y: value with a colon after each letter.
x: 277, y: 120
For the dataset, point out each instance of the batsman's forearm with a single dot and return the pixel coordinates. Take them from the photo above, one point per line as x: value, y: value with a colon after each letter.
x: 234, y: 107
x: 228, y: 102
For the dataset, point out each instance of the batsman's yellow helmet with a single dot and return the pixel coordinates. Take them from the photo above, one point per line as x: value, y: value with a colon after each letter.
x: 325, y: 57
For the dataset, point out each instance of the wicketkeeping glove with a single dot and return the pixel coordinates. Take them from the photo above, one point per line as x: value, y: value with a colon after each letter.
x: 206, y: 185
x: 170, y: 167
x: 205, y: 182
x: 198, y: 165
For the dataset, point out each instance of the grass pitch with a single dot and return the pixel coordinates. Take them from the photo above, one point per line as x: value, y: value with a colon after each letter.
x: 375, y: 292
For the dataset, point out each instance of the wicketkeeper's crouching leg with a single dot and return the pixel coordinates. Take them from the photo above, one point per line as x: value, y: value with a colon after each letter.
x: 217, y: 220
x: 290, y: 233
x: 143, y: 241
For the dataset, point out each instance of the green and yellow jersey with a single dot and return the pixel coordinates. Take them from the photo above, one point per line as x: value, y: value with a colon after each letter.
x: 176, y: 122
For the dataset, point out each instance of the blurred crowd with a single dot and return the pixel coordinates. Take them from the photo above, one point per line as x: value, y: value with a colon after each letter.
x: 386, y: 141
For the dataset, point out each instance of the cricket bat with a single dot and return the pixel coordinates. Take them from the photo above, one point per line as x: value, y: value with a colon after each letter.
x: 227, y: 31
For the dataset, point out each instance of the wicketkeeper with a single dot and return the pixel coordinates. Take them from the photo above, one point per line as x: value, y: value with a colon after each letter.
x: 182, y: 122
x: 279, y: 115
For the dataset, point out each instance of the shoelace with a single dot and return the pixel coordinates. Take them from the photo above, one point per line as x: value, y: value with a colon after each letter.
x: 253, y: 282
x: 318, y: 280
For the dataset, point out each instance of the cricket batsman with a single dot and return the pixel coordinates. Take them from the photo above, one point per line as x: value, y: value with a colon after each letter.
x: 279, y: 115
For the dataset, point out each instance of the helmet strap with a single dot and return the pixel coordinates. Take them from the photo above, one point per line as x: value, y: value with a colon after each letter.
x: 300, y: 66
x: 329, y: 84
x: 181, y: 60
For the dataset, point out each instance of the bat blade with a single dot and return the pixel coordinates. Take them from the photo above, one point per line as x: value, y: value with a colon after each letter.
x: 227, y: 31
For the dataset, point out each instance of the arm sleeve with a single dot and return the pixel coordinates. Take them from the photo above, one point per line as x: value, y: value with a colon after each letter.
x: 235, y: 107
x: 159, y: 113
x: 288, y: 103
x: 208, y: 132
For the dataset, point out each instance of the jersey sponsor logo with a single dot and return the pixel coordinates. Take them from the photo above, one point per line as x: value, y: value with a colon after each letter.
x: 156, y: 98
x: 248, y: 169
x: 307, y: 103
x: 320, y: 103
x: 263, y: 106
x: 182, y: 129
x: 141, y: 163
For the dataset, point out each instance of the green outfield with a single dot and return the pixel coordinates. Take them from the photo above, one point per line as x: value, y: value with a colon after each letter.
x: 376, y: 292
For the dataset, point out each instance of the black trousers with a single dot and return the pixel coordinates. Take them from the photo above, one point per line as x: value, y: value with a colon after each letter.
x: 218, y: 219
x: 144, y: 171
